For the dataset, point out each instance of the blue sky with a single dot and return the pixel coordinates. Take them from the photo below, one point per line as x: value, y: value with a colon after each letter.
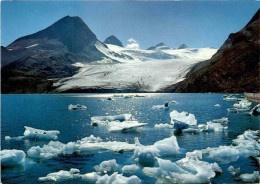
x: 197, y: 24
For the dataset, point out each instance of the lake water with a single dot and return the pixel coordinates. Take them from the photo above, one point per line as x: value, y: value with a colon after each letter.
x: 50, y: 112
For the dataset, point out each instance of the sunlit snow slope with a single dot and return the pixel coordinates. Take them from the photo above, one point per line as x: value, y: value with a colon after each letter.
x: 140, y: 70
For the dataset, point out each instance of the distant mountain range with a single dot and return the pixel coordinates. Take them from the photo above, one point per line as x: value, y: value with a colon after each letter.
x: 68, y: 57
x: 234, y: 68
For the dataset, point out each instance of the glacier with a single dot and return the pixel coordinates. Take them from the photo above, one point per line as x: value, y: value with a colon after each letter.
x: 141, y: 70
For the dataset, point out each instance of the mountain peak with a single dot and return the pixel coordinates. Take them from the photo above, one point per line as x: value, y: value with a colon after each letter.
x: 183, y: 46
x: 159, y: 46
x: 71, y: 31
x: 113, y: 40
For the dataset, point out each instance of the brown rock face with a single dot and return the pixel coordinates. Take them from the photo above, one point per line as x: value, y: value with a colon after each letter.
x: 234, y: 68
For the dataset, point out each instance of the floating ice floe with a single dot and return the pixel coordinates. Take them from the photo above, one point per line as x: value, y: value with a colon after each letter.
x: 104, y: 120
x: 229, y: 98
x: 242, y: 105
x: 10, y: 158
x: 256, y: 110
x: 77, y: 107
x: 217, y: 105
x: 61, y: 175
x: 145, y: 155
x: 165, y: 106
x: 117, y: 126
x: 161, y: 126
x: 221, y: 120
x: 251, y: 178
x: 233, y: 171
x: 118, y: 179
x: 245, y: 145
x: 182, y: 120
x: 118, y: 123
x: 84, y: 146
x: 109, y: 166
x: 186, y: 170
x: 33, y: 133
x: 130, y: 168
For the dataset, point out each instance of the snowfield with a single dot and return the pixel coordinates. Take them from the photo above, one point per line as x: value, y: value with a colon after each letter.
x: 143, y: 70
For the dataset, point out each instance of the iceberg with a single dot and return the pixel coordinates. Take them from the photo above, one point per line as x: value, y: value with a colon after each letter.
x: 130, y: 168
x: 117, y: 126
x: 250, y: 178
x: 77, y: 107
x: 256, y: 110
x: 10, y: 158
x: 109, y: 166
x: 118, y: 179
x: 233, y: 171
x: 245, y: 145
x: 217, y: 105
x: 60, y: 176
x: 182, y: 120
x: 242, y: 104
x: 33, y: 133
x: 84, y: 146
x: 145, y: 155
x: 103, y: 120
x: 229, y: 98
x: 186, y: 170
x: 161, y: 125
x: 221, y: 120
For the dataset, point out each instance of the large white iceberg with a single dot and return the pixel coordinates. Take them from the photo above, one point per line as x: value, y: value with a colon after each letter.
x: 145, y: 155
x: 61, y: 175
x: 182, y: 120
x: 33, y: 133
x: 11, y: 158
x: 85, y: 145
x: 186, y: 170
x: 245, y: 145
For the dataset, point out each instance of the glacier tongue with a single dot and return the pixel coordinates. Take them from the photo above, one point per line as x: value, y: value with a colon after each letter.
x: 142, y: 70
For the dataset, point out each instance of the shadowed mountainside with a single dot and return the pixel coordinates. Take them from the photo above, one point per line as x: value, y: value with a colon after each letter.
x: 234, y: 68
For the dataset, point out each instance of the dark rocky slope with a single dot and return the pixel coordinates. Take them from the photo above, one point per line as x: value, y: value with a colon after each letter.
x: 234, y: 68
x: 114, y: 41
x: 29, y: 62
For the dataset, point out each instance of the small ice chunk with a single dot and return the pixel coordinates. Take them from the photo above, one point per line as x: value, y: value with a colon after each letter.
x: 182, y: 120
x: 60, y: 176
x: 130, y: 168
x: 221, y: 120
x: 161, y: 125
x: 117, y: 126
x: 214, y: 127
x: 217, y: 105
x: 251, y: 178
x: 118, y: 179
x: 191, y: 130
x: 10, y: 158
x: 109, y: 166
x: 77, y: 107
x: 233, y: 171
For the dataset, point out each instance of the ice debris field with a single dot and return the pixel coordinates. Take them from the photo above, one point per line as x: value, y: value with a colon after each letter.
x: 150, y: 160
